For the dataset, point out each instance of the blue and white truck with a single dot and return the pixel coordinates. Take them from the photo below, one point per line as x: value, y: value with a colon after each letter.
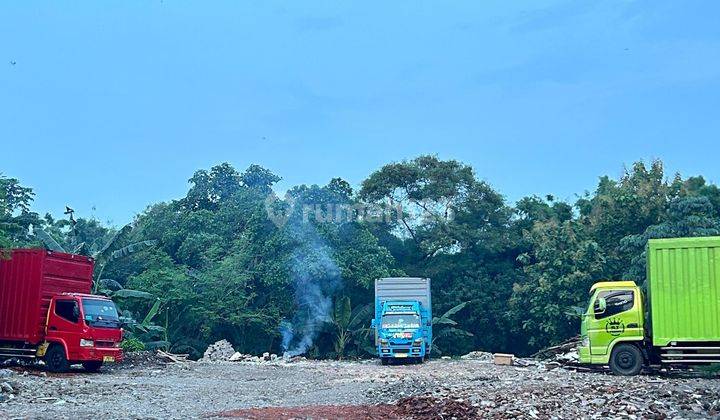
x: 403, y: 319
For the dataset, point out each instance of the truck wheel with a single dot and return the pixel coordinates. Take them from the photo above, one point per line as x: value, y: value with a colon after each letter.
x: 92, y: 366
x: 384, y: 361
x: 626, y: 360
x: 55, y: 359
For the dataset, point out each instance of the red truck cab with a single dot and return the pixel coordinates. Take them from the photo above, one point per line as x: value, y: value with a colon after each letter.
x: 47, y: 312
x: 88, y: 329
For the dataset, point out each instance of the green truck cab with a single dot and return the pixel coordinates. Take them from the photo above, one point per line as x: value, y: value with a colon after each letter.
x: 677, y: 322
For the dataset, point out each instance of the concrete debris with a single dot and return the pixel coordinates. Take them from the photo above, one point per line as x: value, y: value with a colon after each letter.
x: 173, y: 358
x: 478, y: 355
x: 9, y: 389
x: 220, y: 351
x: 560, y: 350
x: 266, y: 357
x: 223, y: 351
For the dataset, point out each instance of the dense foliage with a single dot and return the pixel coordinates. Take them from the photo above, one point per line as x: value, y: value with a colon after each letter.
x: 232, y: 260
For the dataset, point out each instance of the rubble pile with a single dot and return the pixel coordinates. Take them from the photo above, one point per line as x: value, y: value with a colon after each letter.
x: 482, y: 356
x: 436, y: 408
x: 8, y: 387
x: 266, y: 357
x: 220, y: 351
x: 223, y: 351
x: 565, y: 353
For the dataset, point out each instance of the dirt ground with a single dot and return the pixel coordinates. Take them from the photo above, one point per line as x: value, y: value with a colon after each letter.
x: 328, y: 389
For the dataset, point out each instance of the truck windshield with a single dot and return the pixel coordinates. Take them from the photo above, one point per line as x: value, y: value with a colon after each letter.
x: 401, y: 321
x: 101, y: 313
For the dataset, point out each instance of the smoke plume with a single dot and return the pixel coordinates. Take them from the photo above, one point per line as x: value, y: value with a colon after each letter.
x: 315, y: 276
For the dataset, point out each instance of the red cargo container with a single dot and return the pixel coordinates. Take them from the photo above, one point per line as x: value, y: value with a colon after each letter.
x: 28, y: 280
x: 47, y: 313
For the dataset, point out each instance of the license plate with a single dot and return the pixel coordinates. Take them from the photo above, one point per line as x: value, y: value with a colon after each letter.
x: 108, y: 359
x: 400, y: 355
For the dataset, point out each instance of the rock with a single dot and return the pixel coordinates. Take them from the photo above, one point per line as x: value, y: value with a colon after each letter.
x: 6, y: 388
x: 237, y: 356
x: 478, y: 355
x: 266, y: 356
x: 6, y: 373
x: 218, y: 352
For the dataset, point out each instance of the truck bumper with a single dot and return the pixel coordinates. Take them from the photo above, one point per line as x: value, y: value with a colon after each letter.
x: 401, y: 352
x: 100, y: 354
x: 584, y: 354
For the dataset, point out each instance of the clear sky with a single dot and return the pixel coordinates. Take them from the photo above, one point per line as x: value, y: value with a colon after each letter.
x: 114, y: 105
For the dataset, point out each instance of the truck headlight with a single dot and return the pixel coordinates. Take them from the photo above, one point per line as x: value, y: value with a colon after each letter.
x: 384, y: 342
x: 418, y: 341
x: 86, y: 343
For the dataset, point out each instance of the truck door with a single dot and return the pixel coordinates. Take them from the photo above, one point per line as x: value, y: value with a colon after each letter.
x: 619, y: 318
x: 64, y: 324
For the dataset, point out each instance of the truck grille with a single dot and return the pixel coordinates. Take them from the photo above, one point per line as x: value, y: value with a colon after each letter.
x: 104, y: 344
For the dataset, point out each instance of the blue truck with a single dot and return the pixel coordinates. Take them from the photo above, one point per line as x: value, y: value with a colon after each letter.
x: 403, y: 319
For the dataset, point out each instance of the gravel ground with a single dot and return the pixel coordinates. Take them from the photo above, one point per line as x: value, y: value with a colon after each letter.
x: 439, y: 388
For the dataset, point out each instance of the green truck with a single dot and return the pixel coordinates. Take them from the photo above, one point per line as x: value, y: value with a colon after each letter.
x: 678, y: 322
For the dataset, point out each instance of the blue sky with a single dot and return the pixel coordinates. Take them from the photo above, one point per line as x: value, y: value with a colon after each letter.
x: 114, y: 105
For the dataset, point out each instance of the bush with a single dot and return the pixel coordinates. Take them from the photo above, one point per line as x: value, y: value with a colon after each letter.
x: 130, y: 345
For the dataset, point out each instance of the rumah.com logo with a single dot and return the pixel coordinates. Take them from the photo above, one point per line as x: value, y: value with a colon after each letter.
x: 281, y: 211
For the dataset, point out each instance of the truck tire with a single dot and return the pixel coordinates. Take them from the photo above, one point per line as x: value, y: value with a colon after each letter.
x: 384, y: 361
x: 55, y: 359
x: 92, y: 366
x: 626, y: 360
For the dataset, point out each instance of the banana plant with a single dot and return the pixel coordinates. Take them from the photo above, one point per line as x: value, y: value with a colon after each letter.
x: 151, y: 335
x: 346, y: 322
x: 446, y: 326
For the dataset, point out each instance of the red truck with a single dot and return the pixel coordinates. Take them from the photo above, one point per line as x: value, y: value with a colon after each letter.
x: 47, y: 312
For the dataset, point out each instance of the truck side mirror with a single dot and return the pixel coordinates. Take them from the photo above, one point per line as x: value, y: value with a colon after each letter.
x: 600, y: 306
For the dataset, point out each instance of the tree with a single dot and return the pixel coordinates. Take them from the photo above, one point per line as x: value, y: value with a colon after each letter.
x: 625, y: 207
x: 687, y: 217
x: 559, y: 270
x: 15, y: 214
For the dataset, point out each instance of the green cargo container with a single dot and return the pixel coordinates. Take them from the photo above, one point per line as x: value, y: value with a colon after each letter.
x: 684, y: 290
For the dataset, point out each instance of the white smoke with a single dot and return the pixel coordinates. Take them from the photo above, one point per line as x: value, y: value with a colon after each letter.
x: 315, y: 276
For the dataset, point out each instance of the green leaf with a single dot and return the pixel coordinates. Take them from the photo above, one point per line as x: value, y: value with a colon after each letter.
x: 49, y: 242
x: 155, y: 328
x: 151, y: 314
x: 452, y: 311
x: 452, y: 332
x: 106, y: 249
x: 362, y: 314
x: 80, y: 248
x: 110, y: 284
x: 342, y: 312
